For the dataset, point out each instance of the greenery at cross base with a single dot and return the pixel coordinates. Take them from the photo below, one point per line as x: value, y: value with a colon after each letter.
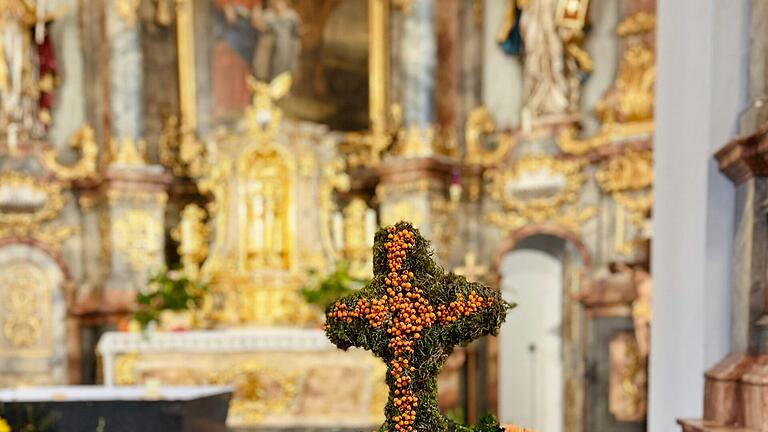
x: 436, y: 342
x: 324, y: 290
x: 168, y: 290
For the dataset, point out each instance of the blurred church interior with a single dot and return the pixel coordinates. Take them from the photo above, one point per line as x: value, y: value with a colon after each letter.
x: 186, y: 184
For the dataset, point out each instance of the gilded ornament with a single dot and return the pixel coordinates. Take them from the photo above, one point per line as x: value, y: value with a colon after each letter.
x: 139, y: 236
x: 86, y: 167
x: 632, y: 170
x: 192, y: 235
x: 263, y: 115
x: 260, y: 390
x: 479, y: 126
x: 129, y: 152
x: 180, y: 150
x: 637, y: 24
x: 628, y: 178
x: 572, y: 13
x: 42, y: 200
x: 26, y: 305
x: 125, y: 367
x: 128, y: 10
x: 537, y: 189
x: 628, y: 379
x: 40, y: 203
x: 626, y: 109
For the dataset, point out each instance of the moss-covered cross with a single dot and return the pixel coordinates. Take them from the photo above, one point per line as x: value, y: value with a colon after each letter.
x: 411, y: 315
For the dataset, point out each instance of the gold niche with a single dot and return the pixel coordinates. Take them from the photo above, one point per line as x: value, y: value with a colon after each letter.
x: 254, y: 180
x: 265, y: 239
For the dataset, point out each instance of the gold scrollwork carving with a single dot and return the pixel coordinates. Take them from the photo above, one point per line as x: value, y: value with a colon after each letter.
x: 129, y: 152
x: 479, y: 125
x: 25, y: 305
x: 86, y: 167
x: 180, y: 151
x: 626, y: 109
x: 628, y: 379
x: 125, y: 369
x: 128, y: 10
x: 138, y: 235
x: 28, y: 207
x: 628, y: 178
x: 192, y: 235
x: 537, y: 189
x: 260, y: 390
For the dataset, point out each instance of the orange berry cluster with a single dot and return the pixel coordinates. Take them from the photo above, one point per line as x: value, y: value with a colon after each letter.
x: 411, y: 313
x: 449, y: 313
x: 374, y: 311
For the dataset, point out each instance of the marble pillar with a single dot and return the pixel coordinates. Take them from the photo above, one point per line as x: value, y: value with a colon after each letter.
x: 423, y: 192
x: 132, y: 229
x: 126, y: 76
x: 418, y: 59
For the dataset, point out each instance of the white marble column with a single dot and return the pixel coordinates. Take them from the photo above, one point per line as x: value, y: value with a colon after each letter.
x: 418, y: 60
x: 125, y: 73
x: 701, y: 89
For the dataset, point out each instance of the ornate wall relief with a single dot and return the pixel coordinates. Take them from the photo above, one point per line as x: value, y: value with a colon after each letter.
x: 626, y: 109
x: 28, y: 205
x: 539, y: 189
x: 628, y: 178
x: 32, y: 318
x: 628, y: 379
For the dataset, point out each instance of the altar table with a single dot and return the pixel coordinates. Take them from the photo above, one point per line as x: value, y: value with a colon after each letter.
x: 283, y: 377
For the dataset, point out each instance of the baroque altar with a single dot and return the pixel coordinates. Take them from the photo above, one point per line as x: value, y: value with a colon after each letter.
x: 271, y: 218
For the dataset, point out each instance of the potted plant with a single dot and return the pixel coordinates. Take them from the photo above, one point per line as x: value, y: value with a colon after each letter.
x: 170, y: 300
x: 321, y: 291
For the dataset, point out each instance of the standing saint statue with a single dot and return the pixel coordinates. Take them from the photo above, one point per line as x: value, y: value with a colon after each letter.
x: 545, y: 87
x: 279, y: 44
x: 554, y: 65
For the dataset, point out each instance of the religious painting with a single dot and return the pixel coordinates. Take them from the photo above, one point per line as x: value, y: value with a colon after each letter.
x: 322, y: 43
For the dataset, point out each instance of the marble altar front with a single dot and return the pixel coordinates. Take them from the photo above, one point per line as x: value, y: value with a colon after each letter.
x: 283, y: 377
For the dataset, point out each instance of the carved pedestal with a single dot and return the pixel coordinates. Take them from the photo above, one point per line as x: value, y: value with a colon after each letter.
x: 736, y: 389
x: 424, y: 191
x: 133, y: 235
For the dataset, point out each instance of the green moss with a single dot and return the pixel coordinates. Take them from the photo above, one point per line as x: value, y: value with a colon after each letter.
x: 436, y: 342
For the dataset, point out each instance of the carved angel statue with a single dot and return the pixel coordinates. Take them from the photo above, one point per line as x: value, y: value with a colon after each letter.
x: 263, y: 116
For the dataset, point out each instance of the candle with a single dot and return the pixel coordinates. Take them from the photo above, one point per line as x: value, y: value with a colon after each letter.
x: 370, y: 226
x: 338, y: 231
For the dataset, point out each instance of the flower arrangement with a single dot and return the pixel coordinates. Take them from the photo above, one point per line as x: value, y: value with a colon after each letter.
x: 168, y: 290
x: 411, y: 315
x: 322, y: 291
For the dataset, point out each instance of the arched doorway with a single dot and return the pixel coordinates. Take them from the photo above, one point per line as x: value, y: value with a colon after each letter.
x: 540, y: 361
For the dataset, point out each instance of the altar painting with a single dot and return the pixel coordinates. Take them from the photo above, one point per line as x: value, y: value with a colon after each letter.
x: 322, y: 43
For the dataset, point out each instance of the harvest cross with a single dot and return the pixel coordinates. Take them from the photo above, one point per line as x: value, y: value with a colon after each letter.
x: 411, y: 315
